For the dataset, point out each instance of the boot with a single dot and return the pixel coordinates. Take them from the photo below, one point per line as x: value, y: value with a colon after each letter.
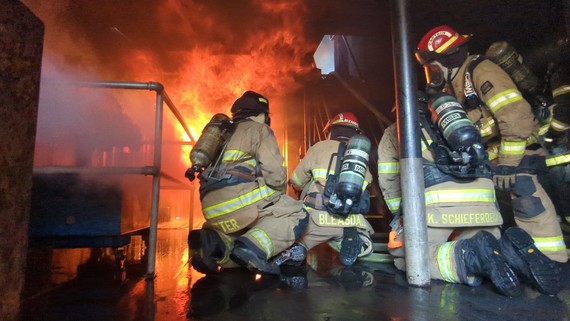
x: 296, y: 255
x: 206, y: 247
x: 245, y: 256
x: 350, y: 246
x: 481, y: 256
x: 521, y: 253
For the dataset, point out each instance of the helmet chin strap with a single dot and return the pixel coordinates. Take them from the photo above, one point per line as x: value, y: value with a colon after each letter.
x: 449, y: 74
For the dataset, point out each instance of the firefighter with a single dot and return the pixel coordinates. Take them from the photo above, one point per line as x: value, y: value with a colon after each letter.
x: 249, y: 218
x: 460, y: 204
x: 350, y: 234
x: 508, y: 129
x: 557, y: 139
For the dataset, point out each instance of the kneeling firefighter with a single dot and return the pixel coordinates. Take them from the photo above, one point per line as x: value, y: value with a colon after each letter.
x: 333, y: 179
x: 463, y: 215
x: 507, y: 125
x: 249, y: 218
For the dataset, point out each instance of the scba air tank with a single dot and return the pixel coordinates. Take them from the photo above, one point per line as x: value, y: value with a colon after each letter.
x: 505, y: 55
x: 208, y: 145
x: 458, y: 131
x: 351, y: 177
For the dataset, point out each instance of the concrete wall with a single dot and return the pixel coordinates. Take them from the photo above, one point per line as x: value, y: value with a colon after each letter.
x: 21, y: 44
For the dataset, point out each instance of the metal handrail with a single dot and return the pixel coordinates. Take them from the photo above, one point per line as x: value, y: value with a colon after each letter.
x: 154, y: 170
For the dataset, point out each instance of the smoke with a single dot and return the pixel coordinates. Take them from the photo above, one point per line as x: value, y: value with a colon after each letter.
x: 206, y: 53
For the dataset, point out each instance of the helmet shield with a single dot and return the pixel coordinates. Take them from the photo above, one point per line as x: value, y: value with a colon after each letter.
x: 439, y: 41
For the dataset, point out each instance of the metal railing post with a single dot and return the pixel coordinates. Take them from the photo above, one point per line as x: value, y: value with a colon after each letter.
x: 411, y: 170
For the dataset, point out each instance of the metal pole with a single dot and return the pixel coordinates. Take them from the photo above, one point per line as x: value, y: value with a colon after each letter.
x: 155, y: 187
x: 411, y: 172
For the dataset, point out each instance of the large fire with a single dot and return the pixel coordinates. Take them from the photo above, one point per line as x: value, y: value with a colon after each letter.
x: 206, y: 54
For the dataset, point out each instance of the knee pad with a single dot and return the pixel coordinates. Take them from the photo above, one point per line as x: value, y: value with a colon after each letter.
x: 302, y: 226
x: 525, y: 205
x: 524, y: 186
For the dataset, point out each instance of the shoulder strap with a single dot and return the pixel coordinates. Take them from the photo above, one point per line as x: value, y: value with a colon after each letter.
x: 333, y: 178
x: 472, y: 100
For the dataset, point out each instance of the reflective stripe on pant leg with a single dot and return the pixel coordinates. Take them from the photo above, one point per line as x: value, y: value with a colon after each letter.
x: 445, y: 261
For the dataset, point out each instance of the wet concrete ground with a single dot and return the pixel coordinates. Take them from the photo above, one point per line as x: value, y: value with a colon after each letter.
x: 86, y: 284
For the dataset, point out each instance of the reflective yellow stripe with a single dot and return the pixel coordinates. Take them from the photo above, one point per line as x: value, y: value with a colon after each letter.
x: 263, y: 240
x: 512, y: 148
x: 446, y: 44
x: 238, y: 155
x: 296, y: 180
x: 389, y: 168
x: 543, y: 129
x: 503, y: 98
x: 444, y: 255
x: 229, y: 244
x: 479, y: 195
x: 550, y: 244
x: 487, y: 128
x: 321, y: 173
x: 564, y: 89
x: 493, y: 151
x: 235, y: 204
x: 393, y: 203
x: 424, y: 147
x: 557, y: 160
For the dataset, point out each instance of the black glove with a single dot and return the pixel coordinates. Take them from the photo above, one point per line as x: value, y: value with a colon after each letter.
x: 504, y: 177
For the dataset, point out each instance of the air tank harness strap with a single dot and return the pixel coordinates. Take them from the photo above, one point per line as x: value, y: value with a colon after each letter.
x: 530, y: 164
x: 433, y: 175
x: 233, y: 176
x: 315, y: 200
x: 318, y: 201
x: 472, y: 100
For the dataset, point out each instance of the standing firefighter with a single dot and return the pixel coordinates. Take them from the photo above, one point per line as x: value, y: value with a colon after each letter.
x: 557, y: 140
x: 459, y: 196
x: 333, y: 179
x: 508, y: 129
x: 249, y: 218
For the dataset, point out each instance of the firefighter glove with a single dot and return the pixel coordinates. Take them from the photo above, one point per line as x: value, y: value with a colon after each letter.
x: 504, y: 177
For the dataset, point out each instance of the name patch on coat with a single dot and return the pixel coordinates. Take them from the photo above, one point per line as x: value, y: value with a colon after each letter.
x: 486, y: 87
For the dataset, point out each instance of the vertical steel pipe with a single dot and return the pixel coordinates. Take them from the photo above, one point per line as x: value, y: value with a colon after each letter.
x: 413, y: 199
x: 155, y: 186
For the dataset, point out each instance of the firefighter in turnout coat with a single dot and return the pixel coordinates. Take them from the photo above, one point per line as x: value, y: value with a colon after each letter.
x: 351, y: 234
x: 249, y: 218
x: 464, y: 207
x: 508, y: 128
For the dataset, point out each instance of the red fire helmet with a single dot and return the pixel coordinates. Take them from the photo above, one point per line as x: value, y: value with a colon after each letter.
x: 439, y: 41
x: 343, y: 119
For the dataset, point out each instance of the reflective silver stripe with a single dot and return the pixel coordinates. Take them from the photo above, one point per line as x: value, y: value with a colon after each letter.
x: 550, y: 244
x: 503, y: 98
x: 564, y: 89
x: 263, y: 240
x: 482, y: 195
x: 238, y: 155
x: 512, y: 148
x: 389, y: 168
x: 393, y: 203
x: 558, y: 125
x: 235, y: 204
x: 444, y: 254
x: 321, y: 173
